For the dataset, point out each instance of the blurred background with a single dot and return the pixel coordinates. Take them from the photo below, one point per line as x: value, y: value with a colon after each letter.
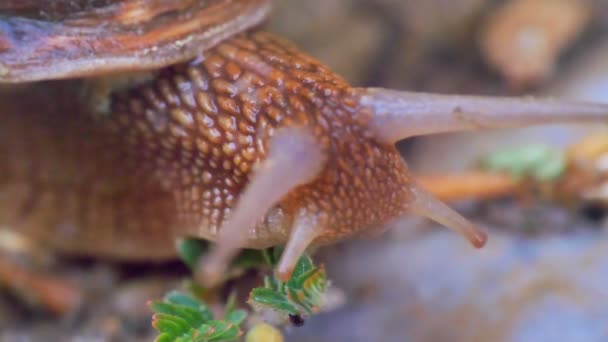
x: 543, y: 275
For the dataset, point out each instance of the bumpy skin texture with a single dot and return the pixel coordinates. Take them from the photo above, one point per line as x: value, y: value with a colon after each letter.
x: 169, y: 158
x: 66, y: 181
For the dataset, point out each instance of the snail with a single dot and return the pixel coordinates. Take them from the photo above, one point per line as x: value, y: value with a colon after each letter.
x: 128, y: 124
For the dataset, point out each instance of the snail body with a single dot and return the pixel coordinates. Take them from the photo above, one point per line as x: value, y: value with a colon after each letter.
x: 235, y: 136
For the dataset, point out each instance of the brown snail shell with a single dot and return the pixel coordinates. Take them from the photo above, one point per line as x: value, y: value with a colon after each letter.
x: 59, y: 39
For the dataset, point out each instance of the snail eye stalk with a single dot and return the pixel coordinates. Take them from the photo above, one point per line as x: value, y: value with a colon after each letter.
x: 294, y: 158
x: 305, y: 229
x: 398, y: 115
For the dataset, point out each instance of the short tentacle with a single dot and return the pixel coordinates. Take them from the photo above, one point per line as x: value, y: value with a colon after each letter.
x: 304, y: 231
x: 398, y: 115
x: 425, y: 204
x: 294, y: 159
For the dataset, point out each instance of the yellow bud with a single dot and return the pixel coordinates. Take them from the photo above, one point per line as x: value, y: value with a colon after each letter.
x: 264, y: 333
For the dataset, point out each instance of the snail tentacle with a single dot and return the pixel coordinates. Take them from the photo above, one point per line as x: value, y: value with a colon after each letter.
x: 398, y: 115
x: 305, y: 229
x: 425, y: 204
x: 294, y: 159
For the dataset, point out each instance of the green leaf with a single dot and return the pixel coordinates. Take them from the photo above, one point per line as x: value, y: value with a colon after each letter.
x: 165, y: 337
x: 176, y: 297
x: 181, y: 299
x: 303, y: 294
x: 180, y: 317
x: 192, y: 316
x: 303, y: 267
x: 539, y: 162
x: 173, y: 325
x: 236, y: 316
x: 223, y: 331
x: 190, y: 250
x: 268, y: 297
x: 298, y: 281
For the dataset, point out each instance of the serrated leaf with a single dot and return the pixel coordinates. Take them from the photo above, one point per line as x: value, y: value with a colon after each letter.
x: 303, y: 294
x: 192, y: 316
x: 236, y: 316
x: 223, y: 331
x: 178, y: 298
x: 183, y: 318
x: 298, y: 281
x: 272, y: 299
x: 198, y: 335
x: 164, y: 337
x: 202, y: 333
x: 303, y: 266
x: 173, y: 325
x: 297, y: 298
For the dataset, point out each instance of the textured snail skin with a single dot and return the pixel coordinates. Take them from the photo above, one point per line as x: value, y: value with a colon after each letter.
x: 250, y: 144
x: 173, y: 154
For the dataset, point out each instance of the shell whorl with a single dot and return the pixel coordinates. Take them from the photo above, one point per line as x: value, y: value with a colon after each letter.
x: 41, y: 40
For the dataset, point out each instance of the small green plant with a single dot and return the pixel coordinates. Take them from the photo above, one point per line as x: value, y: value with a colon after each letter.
x: 180, y: 318
x: 302, y: 295
x: 539, y: 162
